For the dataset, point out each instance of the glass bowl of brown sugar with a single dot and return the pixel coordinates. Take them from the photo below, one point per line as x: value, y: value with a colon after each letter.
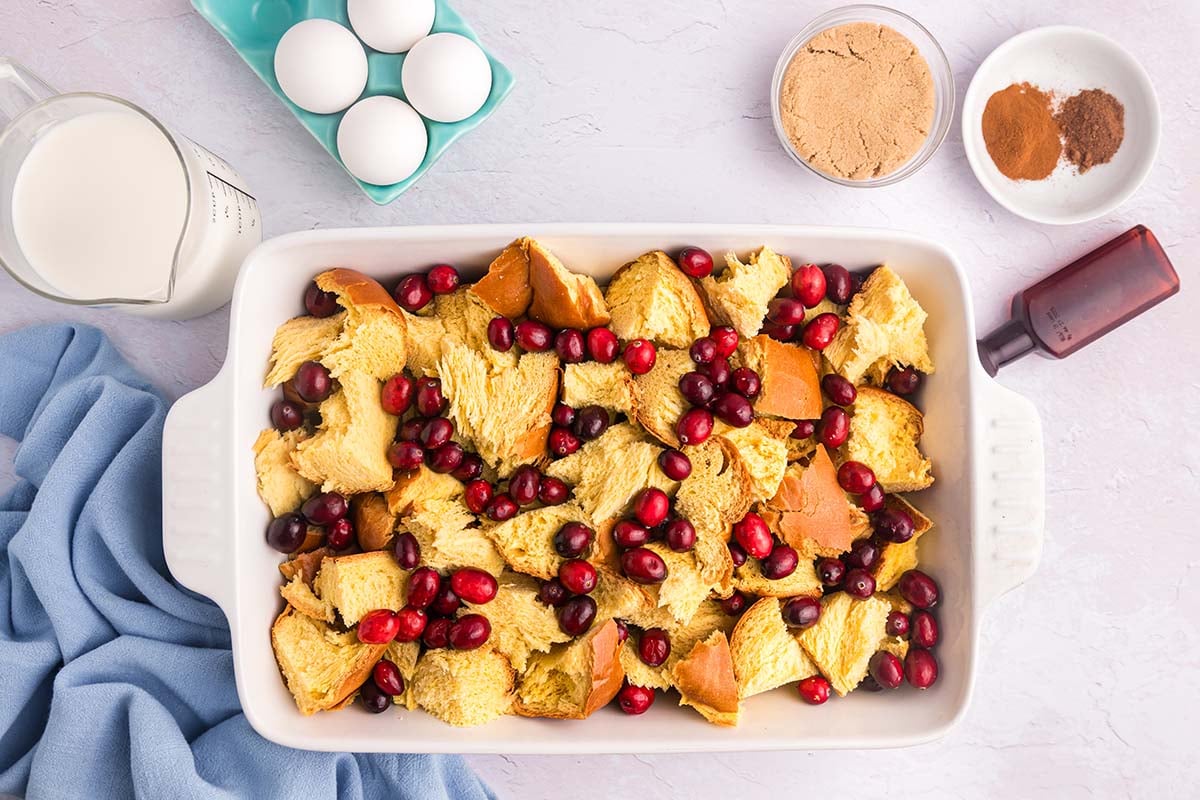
x: 862, y: 96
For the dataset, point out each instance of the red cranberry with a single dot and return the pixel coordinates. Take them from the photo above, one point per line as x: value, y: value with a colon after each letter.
x: 443, y: 279
x: 412, y: 293
x: 695, y: 262
x: 477, y: 495
x: 324, y: 508
x: 863, y: 554
x: 553, y: 492
x: 897, y: 623
x: 838, y: 286
x: 407, y: 550
x: 312, y: 382
x: 635, y: 700
x: 654, y: 647
x: 680, y: 535
x: 820, y: 332
x: 719, y: 372
x: 501, y: 508
x: 838, y: 389
x: 804, y: 429
x: 534, y: 336
x: 893, y: 525
x: 733, y: 409
x: 834, y: 427
x: 801, y: 612
x: 437, y: 633
x: 785, y: 312
x: 474, y: 585
x: 576, y: 614
x: 447, y: 603
x: 860, y: 583
x: 643, y: 566
x: 629, y: 534
x: 286, y: 416
x: 562, y: 442
x: 920, y: 668
x: 569, y: 346
x: 469, y: 631
x: 737, y: 555
x: 318, y: 303
x: 286, y: 533
x: 446, y: 458
x: 918, y: 588
x: 410, y: 430
x: 500, y: 334
x: 675, y: 464
x: 726, y: 339
x: 470, y: 468
x: 339, y: 534
x: 753, y: 535
x: 697, y: 388
x: 590, y: 422
x: 780, y: 333
x: 577, y: 575
x: 808, y: 285
x: 602, y: 345
x: 397, y: 394
x: 405, y: 455
x: 622, y: 632
x: 814, y: 690
x: 781, y: 563
x: 831, y: 571
x: 378, y: 627
x: 562, y: 415
x: 373, y: 698
x: 855, y: 477
x: 886, y: 669
x: 553, y: 593
x: 524, y: 484
x: 640, y: 356
x: 903, y: 381
x: 872, y: 499
x: 387, y: 677
x: 651, y: 507
x: 734, y: 604
x: 436, y: 432
x: 423, y: 586
x: 703, y: 350
x: 411, y: 624
x: 573, y: 540
x: 924, y: 629
x: 430, y: 400
x: 746, y: 382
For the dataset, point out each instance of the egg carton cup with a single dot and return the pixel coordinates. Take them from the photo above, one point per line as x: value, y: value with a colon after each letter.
x: 255, y: 28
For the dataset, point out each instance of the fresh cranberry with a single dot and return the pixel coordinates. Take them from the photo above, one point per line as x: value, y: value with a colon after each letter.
x: 872, y: 499
x: 808, y: 285
x: 838, y: 389
x: 834, y: 427
x: 654, y: 647
x: 719, y: 372
x: 286, y: 533
x: 897, y: 623
x: 373, y: 698
x: 524, y: 484
x: 470, y: 468
x: 411, y: 624
x: 886, y: 669
x: 339, y: 534
x: 397, y: 394
x: 820, y: 332
x: 920, y: 668
x: 501, y: 508
x: 838, y: 286
x: 562, y: 415
x: 726, y: 339
x: 577, y: 575
x: 801, y: 612
x: 286, y: 416
x: 477, y: 494
x: 569, y: 346
x: 640, y: 356
x: 831, y: 571
x: 746, y: 382
x: 447, y: 603
x: 423, y: 586
x: 622, y: 632
x: 412, y: 293
x: 474, y: 585
x: 410, y: 430
x: 387, y: 677
x: 893, y: 525
x: 855, y: 477
x: 573, y: 540
x: 753, y: 535
x: 869, y: 684
x: 324, y: 508
x: 629, y: 534
x: 675, y: 464
x: 918, y: 588
x: 553, y: 593
x: 406, y: 550
x: 436, y: 432
x: 651, y: 507
x: 430, y: 400
x: 590, y: 422
x: 734, y: 604
x: 318, y: 303
x: 697, y: 388
x: 814, y: 690
x: 437, y: 633
x: 733, y: 409
x: 443, y: 279
x: 534, y: 336
x: 635, y: 700
x: 446, y: 458
x: 924, y: 629
x: 781, y: 563
x: 785, y: 312
x: 737, y: 555
x: 643, y: 566
x: 780, y: 333
x: 860, y: 583
x: 576, y: 614
x: 500, y: 334
x: 804, y: 429
x: 553, y: 492
x: 378, y: 627
x: 602, y: 345
x: 695, y: 262
x: 312, y: 382
x: 469, y: 631
x: 405, y: 455
x: 903, y: 381
x: 562, y: 442
x: 680, y: 535
x: 703, y: 350
x: 863, y: 554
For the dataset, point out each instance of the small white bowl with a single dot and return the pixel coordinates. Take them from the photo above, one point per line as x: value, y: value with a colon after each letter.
x: 1064, y: 60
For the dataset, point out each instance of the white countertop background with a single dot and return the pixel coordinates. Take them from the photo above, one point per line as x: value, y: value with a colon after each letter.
x: 1089, y: 680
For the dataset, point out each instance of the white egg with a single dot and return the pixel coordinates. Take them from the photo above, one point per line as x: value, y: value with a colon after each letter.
x: 446, y: 77
x: 382, y: 140
x: 391, y: 26
x: 321, y: 66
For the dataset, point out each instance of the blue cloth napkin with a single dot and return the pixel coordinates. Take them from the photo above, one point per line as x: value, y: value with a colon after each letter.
x: 114, y: 681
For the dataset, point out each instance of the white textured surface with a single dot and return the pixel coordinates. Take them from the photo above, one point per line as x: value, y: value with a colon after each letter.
x: 632, y: 111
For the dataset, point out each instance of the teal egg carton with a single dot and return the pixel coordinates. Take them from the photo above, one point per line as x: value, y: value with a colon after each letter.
x: 255, y: 28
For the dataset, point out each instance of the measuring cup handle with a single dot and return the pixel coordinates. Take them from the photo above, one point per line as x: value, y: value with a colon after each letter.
x: 19, y: 89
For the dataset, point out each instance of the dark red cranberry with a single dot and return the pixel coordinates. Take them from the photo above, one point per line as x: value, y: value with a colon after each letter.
x: 406, y: 550
x: 868, y: 684
x: 553, y: 492
x: 339, y: 534
x: 312, y: 382
x: 737, y: 555
x: 675, y: 464
x: 733, y: 409
x: 577, y: 575
x: 590, y: 422
x: 838, y: 389
x: 477, y: 495
x: 897, y: 623
x: 430, y: 400
x: 469, y: 631
x: 443, y: 279
x: 562, y: 442
x: 746, y: 382
x: 533, y: 336
x: 893, y: 525
x: 651, y: 507
x: 373, y: 699
x: 573, y: 540
x: 470, y: 468
x: 834, y: 427
x: 622, y: 632
x: 629, y: 534
x: 719, y: 372
x: 814, y: 690
x: 524, y: 484
x: 397, y: 394
x: 860, y: 583
x: 437, y: 633
x: 838, y: 286
x: 886, y: 669
x: 423, y: 586
x: 726, y: 339
x: 855, y: 477
x: 808, y: 285
x: 801, y: 612
x: 412, y: 293
x: 786, y: 312
x: 569, y: 346
x: 654, y: 647
x: 286, y: 533
x: 553, y: 593
x: 752, y: 533
x: 501, y: 508
x: 680, y: 535
x: 602, y: 345
x: 378, y: 627
x: 697, y: 388
x: 500, y: 334
x: 635, y: 700
x: 562, y: 415
x: 695, y: 262
x: 863, y: 554
x: 410, y: 430
x: 446, y: 458
x: 820, y: 332
x: 781, y: 563
x: 405, y: 455
x: 447, y: 603
x: 643, y: 566
x: 576, y: 614
x: 920, y: 668
x: 872, y: 499
x: 924, y: 629
x: 639, y: 356
x: 919, y: 589
x: 804, y: 429
x: 318, y: 303
x: 436, y: 432
x: 474, y: 585
x: 903, y: 381
x: 734, y: 604
x: 286, y: 416
x: 387, y: 677
x: 831, y: 571
x: 703, y: 350
x: 780, y: 333
x: 324, y: 508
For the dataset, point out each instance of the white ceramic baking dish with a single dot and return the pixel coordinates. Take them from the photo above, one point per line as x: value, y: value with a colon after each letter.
x: 988, y: 501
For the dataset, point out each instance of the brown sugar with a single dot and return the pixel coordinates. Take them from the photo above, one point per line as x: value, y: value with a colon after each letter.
x: 1093, y: 127
x: 857, y: 101
x: 1020, y: 132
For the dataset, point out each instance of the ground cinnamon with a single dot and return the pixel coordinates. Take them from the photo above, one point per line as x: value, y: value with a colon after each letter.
x: 1020, y: 132
x: 1093, y: 127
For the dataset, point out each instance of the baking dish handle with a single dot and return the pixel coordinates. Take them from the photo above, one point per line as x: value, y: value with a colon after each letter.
x: 1012, y: 490
x: 197, y: 472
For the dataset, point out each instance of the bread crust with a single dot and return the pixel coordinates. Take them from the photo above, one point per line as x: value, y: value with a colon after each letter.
x: 810, y: 511
x: 562, y: 299
x: 790, y: 386
x: 373, y: 523
x: 306, y: 565
x: 706, y: 681
x: 606, y: 677
x: 356, y: 672
x: 505, y: 288
x: 356, y: 290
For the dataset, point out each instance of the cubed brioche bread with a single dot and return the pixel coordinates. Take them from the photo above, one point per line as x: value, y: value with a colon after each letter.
x: 359, y: 583
x: 280, y: 486
x: 810, y: 511
x: 464, y: 687
x: 658, y: 403
x: 884, y: 322
x: 450, y: 538
x: 594, y: 384
x: 374, y: 338
x: 300, y: 595
x: 709, y: 617
x: 618, y: 598
x: 306, y: 565
x: 298, y: 340
x: 425, y: 337
x: 790, y: 387
x: 504, y: 412
x: 684, y: 588
x: 896, y: 559
x: 320, y: 666
x: 465, y: 318
x: 719, y: 481
x: 561, y: 298
x: 348, y: 453
x: 884, y: 434
x: 749, y: 579
x: 575, y: 679
x: 712, y: 550
x: 526, y: 541
x: 521, y: 624
x: 845, y: 637
x: 706, y: 680
x: 765, y: 654
x: 651, y: 298
x: 739, y: 295
x: 505, y: 288
x: 762, y: 449
x: 373, y: 523
x: 404, y: 655
x: 414, y: 488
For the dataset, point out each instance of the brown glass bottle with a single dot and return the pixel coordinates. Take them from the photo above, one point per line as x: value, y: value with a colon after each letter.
x: 1084, y: 300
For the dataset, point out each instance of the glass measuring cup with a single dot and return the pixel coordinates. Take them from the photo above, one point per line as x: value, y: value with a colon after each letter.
x: 102, y: 205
